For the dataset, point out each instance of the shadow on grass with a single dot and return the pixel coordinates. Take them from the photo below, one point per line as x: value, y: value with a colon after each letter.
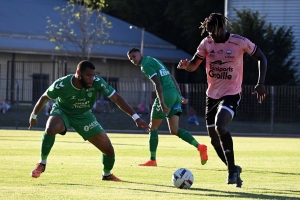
x: 218, y: 193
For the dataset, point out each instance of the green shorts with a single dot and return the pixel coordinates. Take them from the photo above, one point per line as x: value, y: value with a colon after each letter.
x: 85, y: 124
x: 172, y: 100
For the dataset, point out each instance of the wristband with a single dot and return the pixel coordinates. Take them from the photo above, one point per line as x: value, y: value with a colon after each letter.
x: 135, y: 116
x: 33, y: 116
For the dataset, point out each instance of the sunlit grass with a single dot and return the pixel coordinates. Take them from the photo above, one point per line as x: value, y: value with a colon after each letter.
x: 270, y: 169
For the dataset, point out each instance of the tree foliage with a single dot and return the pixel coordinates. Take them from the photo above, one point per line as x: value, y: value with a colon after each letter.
x: 81, y: 28
x: 178, y: 22
x: 277, y: 43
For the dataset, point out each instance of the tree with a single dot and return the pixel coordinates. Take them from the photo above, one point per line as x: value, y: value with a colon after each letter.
x: 277, y: 43
x: 81, y: 29
x: 175, y: 21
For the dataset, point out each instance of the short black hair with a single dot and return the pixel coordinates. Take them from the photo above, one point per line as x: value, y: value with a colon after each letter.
x: 83, y: 65
x: 133, y: 50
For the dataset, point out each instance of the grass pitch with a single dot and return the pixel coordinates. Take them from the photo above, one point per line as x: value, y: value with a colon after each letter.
x: 270, y: 169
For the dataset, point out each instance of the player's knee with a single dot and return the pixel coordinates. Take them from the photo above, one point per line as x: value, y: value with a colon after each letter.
x: 50, y: 130
x: 109, y: 151
x: 174, y: 131
x: 220, y: 129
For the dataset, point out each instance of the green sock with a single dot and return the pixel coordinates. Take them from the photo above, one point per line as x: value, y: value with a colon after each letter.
x: 186, y: 136
x: 47, y: 144
x: 153, y: 143
x: 108, y: 163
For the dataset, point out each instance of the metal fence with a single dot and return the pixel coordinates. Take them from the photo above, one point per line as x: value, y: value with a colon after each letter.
x: 23, y: 82
x: 278, y: 114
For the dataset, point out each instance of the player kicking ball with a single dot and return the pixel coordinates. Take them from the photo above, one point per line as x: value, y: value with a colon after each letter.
x: 75, y: 95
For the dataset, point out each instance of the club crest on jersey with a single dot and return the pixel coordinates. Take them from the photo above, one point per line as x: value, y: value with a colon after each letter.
x: 220, y: 51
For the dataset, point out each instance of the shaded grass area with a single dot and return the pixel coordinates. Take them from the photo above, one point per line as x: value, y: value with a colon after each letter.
x: 18, y: 117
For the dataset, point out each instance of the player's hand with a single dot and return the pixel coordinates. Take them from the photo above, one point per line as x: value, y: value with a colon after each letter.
x: 32, y: 122
x: 142, y: 124
x: 184, y: 100
x: 164, y: 108
x: 259, y: 90
x: 183, y: 64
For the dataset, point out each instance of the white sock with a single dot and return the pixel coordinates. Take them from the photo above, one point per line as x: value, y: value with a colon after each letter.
x: 43, y: 161
x: 106, y: 174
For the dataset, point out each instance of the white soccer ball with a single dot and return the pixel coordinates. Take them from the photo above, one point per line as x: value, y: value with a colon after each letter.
x: 183, y: 178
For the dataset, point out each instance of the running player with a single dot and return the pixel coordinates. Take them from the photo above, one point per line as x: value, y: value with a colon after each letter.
x: 166, y: 105
x: 75, y: 95
x: 224, y: 68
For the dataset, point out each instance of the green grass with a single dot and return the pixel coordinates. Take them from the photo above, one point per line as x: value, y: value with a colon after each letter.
x: 270, y: 169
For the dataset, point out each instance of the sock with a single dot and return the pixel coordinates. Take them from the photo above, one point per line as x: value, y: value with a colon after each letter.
x: 47, y: 144
x: 186, y: 136
x: 220, y: 153
x: 227, y: 145
x: 108, y: 163
x: 153, y: 143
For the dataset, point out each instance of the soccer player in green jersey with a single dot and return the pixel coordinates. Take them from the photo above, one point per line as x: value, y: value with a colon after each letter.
x: 166, y: 105
x: 75, y: 95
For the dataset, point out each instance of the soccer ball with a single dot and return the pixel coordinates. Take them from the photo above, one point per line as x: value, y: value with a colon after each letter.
x: 183, y: 178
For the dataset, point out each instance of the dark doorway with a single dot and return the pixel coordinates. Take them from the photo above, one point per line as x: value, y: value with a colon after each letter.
x: 40, y: 82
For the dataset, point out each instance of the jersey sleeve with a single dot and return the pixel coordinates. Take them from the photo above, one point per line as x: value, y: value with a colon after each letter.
x: 51, y: 92
x: 201, y: 50
x: 103, y: 87
x: 148, y: 67
x: 248, y: 47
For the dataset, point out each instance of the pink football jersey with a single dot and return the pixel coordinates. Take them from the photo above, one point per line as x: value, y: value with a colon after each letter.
x: 224, y: 64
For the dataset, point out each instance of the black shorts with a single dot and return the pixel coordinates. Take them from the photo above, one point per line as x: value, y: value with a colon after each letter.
x: 230, y: 103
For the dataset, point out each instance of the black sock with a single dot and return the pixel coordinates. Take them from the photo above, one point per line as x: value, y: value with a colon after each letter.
x: 220, y: 153
x: 227, y: 145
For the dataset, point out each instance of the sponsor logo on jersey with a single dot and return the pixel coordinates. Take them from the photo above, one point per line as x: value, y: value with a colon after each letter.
x: 177, y: 107
x: 228, y: 51
x: 212, y: 54
x: 220, y: 72
x: 90, y: 126
x: 164, y: 72
x: 73, y: 97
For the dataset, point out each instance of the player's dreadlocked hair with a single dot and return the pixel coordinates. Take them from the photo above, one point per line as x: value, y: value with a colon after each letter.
x: 217, y: 20
x: 83, y: 65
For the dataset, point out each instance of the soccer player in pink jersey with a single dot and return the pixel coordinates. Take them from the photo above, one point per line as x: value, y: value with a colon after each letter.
x: 224, y: 68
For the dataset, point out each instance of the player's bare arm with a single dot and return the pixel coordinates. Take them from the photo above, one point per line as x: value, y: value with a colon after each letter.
x: 125, y: 107
x: 37, y: 108
x: 183, y: 100
x: 159, y: 93
x: 259, y: 89
x: 190, y: 65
